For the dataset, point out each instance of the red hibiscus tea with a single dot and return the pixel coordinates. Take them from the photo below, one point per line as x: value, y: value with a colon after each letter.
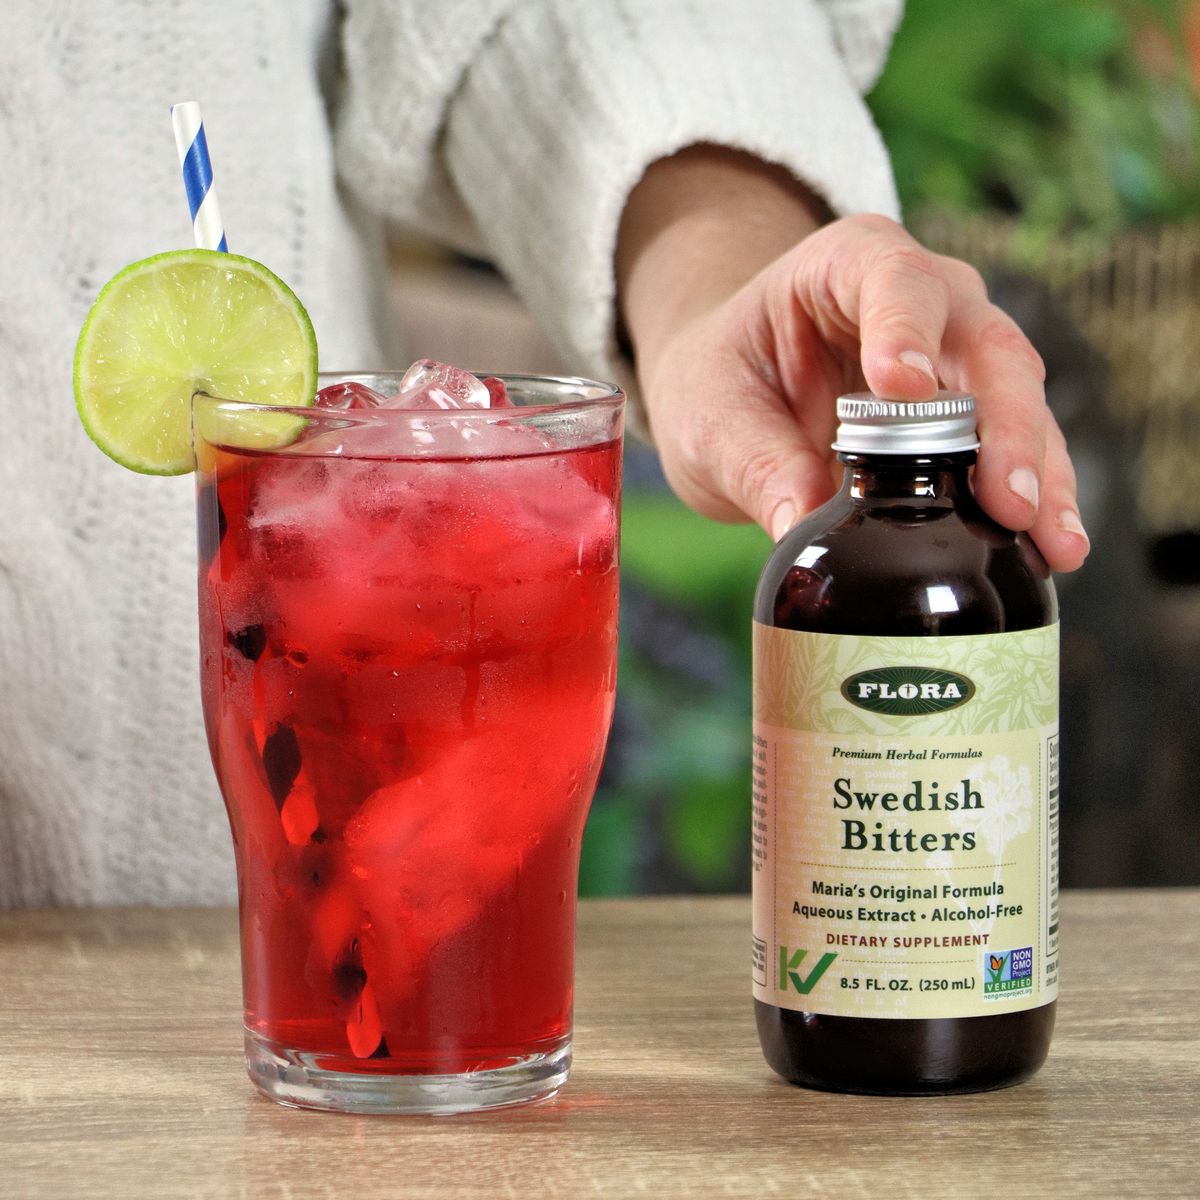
x: 408, y: 631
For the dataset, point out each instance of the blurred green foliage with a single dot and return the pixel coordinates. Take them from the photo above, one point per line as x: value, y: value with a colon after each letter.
x: 692, y: 561
x: 674, y: 813
x: 1076, y: 116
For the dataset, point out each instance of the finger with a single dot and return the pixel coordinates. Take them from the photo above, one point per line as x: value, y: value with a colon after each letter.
x: 904, y: 303
x: 1058, y: 530
x: 758, y: 465
x: 871, y: 288
x: 985, y: 352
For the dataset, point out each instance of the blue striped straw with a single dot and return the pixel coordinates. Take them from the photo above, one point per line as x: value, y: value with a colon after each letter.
x: 197, y: 176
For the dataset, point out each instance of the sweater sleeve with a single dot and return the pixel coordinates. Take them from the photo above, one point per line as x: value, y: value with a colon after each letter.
x: 517, y: 128
x: 862, y: 31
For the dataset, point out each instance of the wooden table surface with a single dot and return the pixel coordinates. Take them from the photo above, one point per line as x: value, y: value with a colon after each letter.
x: 122, y: 1077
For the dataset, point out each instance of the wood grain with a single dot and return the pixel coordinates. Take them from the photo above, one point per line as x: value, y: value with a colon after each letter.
x: 120, y: 1035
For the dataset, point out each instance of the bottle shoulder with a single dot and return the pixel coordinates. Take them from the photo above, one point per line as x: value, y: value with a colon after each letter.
x: 904, y: 569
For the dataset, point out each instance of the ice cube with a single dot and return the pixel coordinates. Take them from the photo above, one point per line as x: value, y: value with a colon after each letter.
x: 349, y: 395
x: 430, y: 384
x: 498, y: 392
x: 299, y: 815
x: 291, y: 492
x: 427, y: 386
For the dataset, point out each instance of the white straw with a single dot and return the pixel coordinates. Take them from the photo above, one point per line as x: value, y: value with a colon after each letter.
x: 197, y: 176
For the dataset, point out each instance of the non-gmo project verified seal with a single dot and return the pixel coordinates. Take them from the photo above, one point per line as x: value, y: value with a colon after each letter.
x: 1007, y: 971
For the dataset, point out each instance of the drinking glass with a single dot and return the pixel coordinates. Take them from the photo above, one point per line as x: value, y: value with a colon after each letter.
x: 408, y: 630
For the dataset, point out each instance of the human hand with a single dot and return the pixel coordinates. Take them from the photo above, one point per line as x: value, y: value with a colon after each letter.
x: 740, y: 363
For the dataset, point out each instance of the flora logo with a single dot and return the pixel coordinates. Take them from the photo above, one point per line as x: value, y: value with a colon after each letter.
x: 907, y: 691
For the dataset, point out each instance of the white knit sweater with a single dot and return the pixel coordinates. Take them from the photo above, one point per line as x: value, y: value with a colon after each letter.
x: 515, y: 128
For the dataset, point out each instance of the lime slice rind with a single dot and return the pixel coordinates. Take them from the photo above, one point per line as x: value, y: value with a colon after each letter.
x: 184, y: 322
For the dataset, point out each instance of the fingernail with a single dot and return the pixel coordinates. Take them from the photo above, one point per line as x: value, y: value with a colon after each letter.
x: 1023, y: 482
x: 918, y: 362
x: 1069, y: 522
x: 782, y: 519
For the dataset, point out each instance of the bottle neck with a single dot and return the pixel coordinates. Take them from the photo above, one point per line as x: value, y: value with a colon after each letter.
x: 899, y: 478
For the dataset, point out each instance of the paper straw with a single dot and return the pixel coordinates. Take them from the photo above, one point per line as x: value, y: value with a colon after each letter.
x: 197, y: 176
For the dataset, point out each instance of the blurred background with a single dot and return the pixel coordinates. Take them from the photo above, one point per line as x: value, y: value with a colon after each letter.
x: 1057, y: 147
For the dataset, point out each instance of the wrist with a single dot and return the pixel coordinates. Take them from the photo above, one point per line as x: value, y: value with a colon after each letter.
x: 697, y: 227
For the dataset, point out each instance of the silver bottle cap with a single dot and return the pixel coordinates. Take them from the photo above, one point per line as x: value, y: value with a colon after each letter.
x: 869, y: 424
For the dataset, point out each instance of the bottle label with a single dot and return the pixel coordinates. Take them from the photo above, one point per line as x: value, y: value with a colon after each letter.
x: 905, y: 823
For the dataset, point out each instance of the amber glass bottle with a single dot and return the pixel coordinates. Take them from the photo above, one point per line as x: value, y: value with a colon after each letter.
x: 905, y: 774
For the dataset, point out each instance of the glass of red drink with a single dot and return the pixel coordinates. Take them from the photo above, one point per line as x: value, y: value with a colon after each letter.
x: 408, y: 628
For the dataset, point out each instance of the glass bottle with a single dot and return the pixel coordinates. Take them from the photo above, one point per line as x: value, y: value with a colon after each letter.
x: 906, y: 764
